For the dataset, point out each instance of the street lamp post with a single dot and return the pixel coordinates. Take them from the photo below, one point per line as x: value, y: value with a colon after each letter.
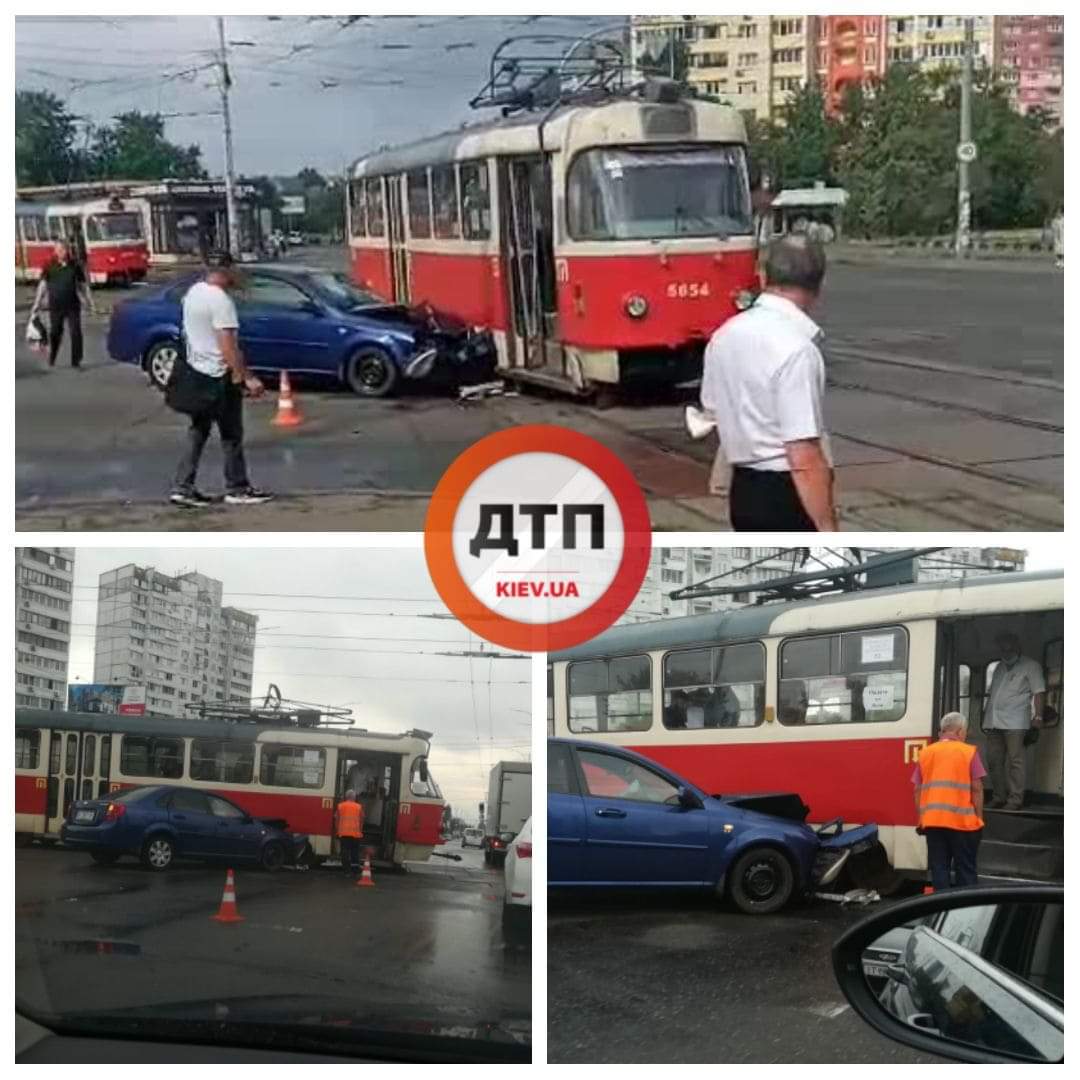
x: 230, y: 180
x: 966, y: 150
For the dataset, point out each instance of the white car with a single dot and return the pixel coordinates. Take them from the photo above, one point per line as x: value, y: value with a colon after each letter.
x: 517, y: 874
x: 472, y: 838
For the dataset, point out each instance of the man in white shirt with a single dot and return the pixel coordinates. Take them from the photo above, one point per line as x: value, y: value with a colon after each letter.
x: 210, y: 328
x: 763, y: 382
x: 1014, y: 706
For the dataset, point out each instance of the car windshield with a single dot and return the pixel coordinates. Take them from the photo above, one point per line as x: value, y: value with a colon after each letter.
x: 624, y: 194
x: 114, y: 227
x: 341, y: 292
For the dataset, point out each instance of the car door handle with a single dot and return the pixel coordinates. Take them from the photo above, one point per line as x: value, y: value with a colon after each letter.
x: 608, y: 812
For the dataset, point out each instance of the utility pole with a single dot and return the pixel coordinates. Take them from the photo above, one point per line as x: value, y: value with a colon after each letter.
x: 230, y: 180
x: 966, y: 151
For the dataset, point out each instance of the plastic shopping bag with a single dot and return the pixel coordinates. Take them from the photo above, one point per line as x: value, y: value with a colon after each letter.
x: 37, y: 337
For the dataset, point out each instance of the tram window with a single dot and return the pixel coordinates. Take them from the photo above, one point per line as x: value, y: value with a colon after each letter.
x: 54, y: 753
x: 964, y: 690
x: 610, y: 695
x: 52, y: 793
x: 71, y: 754
x: 715, y: 687
x: 106, y: 755
x: 421, y: 782
x: 89, y: 754
x: 551, y: 700
x: 475, y: 201
x: 143, y: 755
x: 419, y: 205
x: 87, y: 789
x: 292, y: 766
x: 222, y: 760
x: 358, y: 207
x: 30, y: 229
x: 102, y: 789
x: 69, y: 794
x: 375, y: 217
x: 27, y: 749
x: 844, y: 678
x: 444, y: 201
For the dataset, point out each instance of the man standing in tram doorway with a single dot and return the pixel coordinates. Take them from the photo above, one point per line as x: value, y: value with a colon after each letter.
x: 1013, y: 709
x: 349, y: 821
x: 948, y: 781
x: 762, y: 387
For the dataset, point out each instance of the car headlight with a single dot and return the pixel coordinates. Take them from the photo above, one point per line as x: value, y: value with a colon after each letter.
x: 637, y: 307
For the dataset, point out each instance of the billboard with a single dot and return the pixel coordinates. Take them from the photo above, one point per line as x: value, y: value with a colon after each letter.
x: 293, y: 206
x: 107, y: 698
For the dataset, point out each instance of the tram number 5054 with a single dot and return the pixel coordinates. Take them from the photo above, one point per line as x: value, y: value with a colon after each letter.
x: 688, y: 290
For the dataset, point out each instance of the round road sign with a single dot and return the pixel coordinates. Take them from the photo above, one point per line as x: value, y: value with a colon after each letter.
x: 966, y: 153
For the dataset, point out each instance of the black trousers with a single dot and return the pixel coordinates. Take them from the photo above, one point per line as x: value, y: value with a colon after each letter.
x: 948, y: 849
x: 762, y: 501
x: 230, y: 425
x: 350, y: 854
x: 72, y: 316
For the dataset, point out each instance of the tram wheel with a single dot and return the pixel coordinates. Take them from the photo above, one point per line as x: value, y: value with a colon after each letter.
x: 761, y: 881
x: 370, y: 372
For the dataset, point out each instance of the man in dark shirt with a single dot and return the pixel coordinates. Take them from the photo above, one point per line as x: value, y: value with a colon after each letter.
x: 63, y: 284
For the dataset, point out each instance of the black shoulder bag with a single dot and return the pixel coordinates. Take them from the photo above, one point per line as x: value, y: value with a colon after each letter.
x: 191, y: 392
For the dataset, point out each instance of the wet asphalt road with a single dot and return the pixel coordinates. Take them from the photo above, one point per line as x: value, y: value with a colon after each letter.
x: 945, y: 406
x: 424, y: 948
x: 685, y: 980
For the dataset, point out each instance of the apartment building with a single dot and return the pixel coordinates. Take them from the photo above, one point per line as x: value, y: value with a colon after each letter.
x: 1031, y: 57
x: 44, y: 579
x: 173, y: 636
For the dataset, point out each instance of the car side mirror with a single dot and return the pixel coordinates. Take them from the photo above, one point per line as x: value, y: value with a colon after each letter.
x: 975, y: 975
x: 688, y: 800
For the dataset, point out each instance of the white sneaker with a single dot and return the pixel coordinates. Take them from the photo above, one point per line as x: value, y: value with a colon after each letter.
x: 248, y: 497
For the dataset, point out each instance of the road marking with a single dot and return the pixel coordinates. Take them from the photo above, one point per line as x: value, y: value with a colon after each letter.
x: 828, y: 1012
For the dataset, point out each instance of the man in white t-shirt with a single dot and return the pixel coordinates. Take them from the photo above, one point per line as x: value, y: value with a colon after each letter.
x: 1014, y: 706
x: 210, y: 328
x: 762, y: 385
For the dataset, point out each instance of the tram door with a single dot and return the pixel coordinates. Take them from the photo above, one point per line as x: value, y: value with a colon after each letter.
x: 78, y: 769
x: 375, y: 778
x: 399, y: 251
x: 529, y: 256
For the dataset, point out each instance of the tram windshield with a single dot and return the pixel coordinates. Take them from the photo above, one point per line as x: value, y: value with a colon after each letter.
x: 654, y: 194
x: 113, y: 227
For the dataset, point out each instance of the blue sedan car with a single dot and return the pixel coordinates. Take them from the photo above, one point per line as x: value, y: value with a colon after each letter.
x: 162, y: 822
x: 308, y: 322
x: 617, y: 819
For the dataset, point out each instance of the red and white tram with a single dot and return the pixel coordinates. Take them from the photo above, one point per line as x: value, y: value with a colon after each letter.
x: 831, y: 698
x: 106, y: 235
x: 295, y: 773
x: 597, y: 241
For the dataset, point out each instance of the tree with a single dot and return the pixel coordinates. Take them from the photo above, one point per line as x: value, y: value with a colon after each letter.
x: 325, y: 210
x: 309, y: 178
x: 134, y: 147
x: 800, y: 149
x: 44, y: 141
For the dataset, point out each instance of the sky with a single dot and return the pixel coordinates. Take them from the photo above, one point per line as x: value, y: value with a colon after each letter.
x: 340, y: 627
x: 306, y: 89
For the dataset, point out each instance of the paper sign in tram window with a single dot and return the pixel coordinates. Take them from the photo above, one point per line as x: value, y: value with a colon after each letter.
x: 878, y: 648
x: 878, y: 698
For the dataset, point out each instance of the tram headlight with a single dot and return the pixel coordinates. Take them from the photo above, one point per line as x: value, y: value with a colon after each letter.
x: 637, y: 307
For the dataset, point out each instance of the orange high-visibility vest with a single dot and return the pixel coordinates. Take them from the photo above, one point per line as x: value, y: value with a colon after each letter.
x: 945, y: 791
x: 350, y: 819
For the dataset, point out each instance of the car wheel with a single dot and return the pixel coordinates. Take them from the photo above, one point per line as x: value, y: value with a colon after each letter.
x: 106, y: 858
x: 370, y: 372
x: 761, y: 881
x: 160, y: 360
x: 157, y: 853
x: 273, y: 857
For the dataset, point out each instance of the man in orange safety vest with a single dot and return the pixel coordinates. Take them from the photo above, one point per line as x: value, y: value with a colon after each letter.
x: 349, y: 820
x: 948, y: 781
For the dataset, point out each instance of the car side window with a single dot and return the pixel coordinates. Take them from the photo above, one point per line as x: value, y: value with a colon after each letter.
x: 273, y: 292
x: 222, y: 809
x: 610, y: 777
x: 190, y: 802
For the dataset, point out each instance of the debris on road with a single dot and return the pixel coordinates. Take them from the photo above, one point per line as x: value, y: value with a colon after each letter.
x: 854, y: 896
x: 483, y: 390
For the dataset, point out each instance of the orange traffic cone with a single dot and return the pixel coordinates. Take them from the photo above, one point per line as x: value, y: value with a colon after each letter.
x: 927, y: 890
x: 288, y: 413
x: 365, y: 879
x: 227, y: 912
